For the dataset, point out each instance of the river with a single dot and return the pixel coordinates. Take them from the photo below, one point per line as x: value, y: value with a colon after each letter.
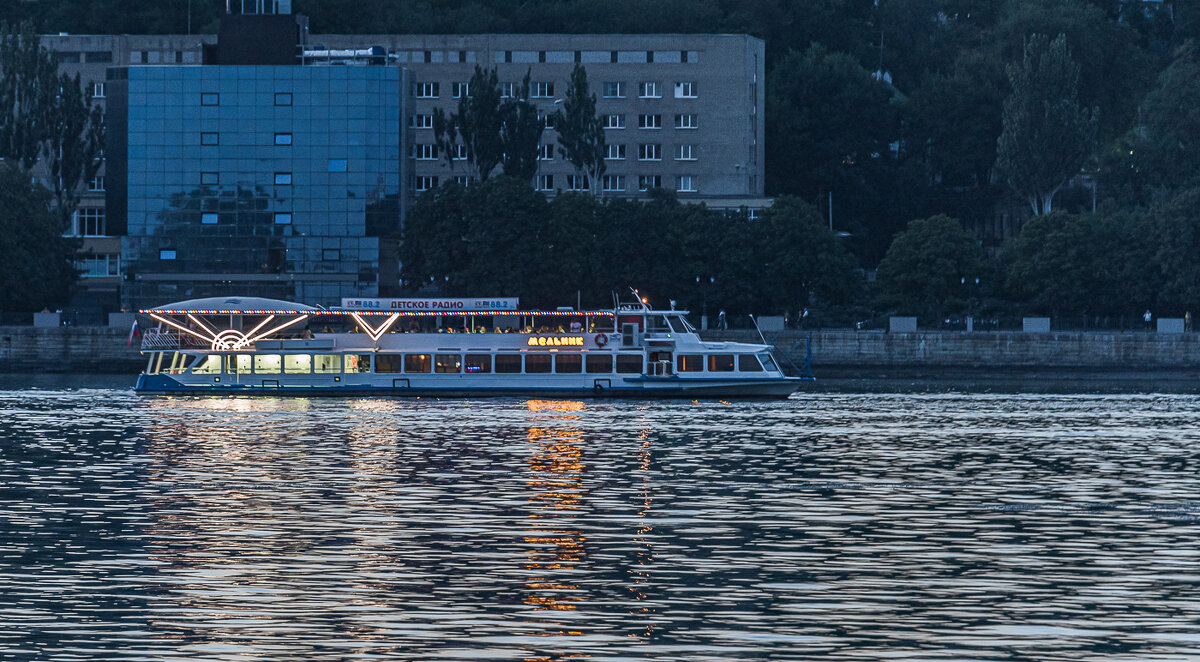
x: 836, y: 525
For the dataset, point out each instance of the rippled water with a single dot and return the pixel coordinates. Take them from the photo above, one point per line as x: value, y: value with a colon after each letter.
x: 947, y: 526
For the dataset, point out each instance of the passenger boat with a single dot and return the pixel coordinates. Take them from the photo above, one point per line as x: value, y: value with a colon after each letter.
x: 444, y: 347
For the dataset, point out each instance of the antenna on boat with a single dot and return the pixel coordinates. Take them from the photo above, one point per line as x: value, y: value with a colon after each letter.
x: 760, y: 333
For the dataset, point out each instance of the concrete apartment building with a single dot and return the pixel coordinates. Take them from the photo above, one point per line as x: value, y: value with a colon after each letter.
x: 684, y: 112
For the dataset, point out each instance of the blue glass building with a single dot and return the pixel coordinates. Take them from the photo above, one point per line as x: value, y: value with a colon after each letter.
x: 275, y: 181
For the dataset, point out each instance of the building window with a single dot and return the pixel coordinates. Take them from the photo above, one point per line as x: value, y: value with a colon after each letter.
x: 614, y: 152
x: 331, y: 255
x: 614, y: 121
x: 425, y: 152
x: 208, y: 218
x: 283, y: 179
x: 545, y: 182
x: 283, y: 139
x: 614, y: 182
x: 649, y: 91
x: 425, y: 90
x: 99, y: 266
x: 650, y: 152
x: 210, y: 138
x: 508, y: 90
x: 93, y: 57
x: 614, y: 90
x: 577, y: 182
x: 89, y: 222
x: 338, y: 165
x: 166, y: 254
x: 97, y: 184
x: 546, y: 152
x: 684, y: 153
x: 541, y: 90
x: 548, y: 122
x: 283, y: 98
x: 421, y: 122
x: 210, y: 99
x: 460, y: 152
x: 424, y: 182
x: 461, y: 90
x: 687, y: 184
x: 649, y: 121
x: 97, y: 90
x: 283, y: 218
x: 462, y: 180
x: 685, y: 121
x: 647, y: 182
x: 685, y: 90
x: 209, y: 179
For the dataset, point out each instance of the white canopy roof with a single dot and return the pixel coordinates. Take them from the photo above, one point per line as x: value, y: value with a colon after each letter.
x: 234, y: 305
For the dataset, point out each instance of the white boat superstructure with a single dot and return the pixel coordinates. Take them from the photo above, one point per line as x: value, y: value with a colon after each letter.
x: 473, y: 347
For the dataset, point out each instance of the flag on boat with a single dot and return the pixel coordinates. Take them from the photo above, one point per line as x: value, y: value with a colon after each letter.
x: 133, y: 331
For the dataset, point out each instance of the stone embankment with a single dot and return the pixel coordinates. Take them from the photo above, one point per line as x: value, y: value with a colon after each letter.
x: 835, y: 352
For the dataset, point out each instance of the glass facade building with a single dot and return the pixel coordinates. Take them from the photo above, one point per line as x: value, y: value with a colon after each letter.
x: 272, y: 181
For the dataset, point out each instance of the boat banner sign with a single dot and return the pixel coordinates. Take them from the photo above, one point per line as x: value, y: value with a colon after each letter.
x: 432, y: 305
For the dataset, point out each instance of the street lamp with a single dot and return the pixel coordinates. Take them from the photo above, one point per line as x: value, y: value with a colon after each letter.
x: 704, y: 299
x: 970, y: 288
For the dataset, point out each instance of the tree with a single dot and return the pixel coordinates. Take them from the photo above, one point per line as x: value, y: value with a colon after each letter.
x: 1179, y: 240
x: 74, y: 142
x: 1046, y: 135
x: 803, y: 259
x: 27, y: 91
x: 927, y: 267
x: 580, y: 130
x: 477, y: 123
x: 520, y: 134
x: 35, y: 259
x: 1165, y: 148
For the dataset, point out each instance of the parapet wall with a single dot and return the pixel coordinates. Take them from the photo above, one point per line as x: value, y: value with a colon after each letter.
x: 103, y: 349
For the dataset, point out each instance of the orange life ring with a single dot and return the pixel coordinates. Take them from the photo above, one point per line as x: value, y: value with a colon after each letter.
x: 601, y: 340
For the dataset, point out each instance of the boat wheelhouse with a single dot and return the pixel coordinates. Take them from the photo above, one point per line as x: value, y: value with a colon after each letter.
x: 444, y: 347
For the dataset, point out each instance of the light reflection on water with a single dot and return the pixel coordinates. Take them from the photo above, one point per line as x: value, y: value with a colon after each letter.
x: 943, y: 526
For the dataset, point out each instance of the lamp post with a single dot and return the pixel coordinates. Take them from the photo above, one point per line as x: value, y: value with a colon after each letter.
x: 970, y: 288
x: 700, y: 285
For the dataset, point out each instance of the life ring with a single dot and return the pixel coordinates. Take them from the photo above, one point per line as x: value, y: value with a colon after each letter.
x: 601, y: 339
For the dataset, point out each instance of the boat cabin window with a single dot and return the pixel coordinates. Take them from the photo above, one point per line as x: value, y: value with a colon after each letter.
x: 720, y: 362
x: 417, y: 363
x: 568, y: 363
x: 326, y: 363
x: 749, y: 363
x: 267, y: 364
x: 388, y: 362
x: 207, y: 365
x: 357, y: 362
x: 508, y: 363
x: 768, y: 361
x: 656, y: 323
x: 478, y: 363
x: 691, y: 362
x: 629, y: 363
x: 680, y: 324
x: 238, y: 364
x: 297, y: 364
x: 537, y: 363
x: 599, y: 363
x: 447, y: 363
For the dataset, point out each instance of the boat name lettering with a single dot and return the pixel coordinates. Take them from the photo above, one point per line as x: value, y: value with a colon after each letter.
x: 556, y: 341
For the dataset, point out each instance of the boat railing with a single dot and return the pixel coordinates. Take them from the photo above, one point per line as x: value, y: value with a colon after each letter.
x: 155, y: 339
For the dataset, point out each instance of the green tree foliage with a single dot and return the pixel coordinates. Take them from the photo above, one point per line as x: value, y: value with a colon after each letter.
x: 926, y: 270
x: 1177, y: 268
x: 1165, y: 149
x: 35, y: 258
x: 74, y: 142
x: 803, y: 260
x: 1047, y: 135
x: 476, y: 125
x: 580, y: 130
x: 27, y: 94
x: 520, y: 134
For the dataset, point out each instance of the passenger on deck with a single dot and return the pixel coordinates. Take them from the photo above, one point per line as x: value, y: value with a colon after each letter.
x: 576, y: 327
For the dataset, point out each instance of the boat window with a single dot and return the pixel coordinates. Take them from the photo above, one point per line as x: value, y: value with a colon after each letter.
x: 417, y: 363
x: 599, y: 362
x: 691, y: 362
x: 297, y: 364
x: 568, y: 363
x: 749, y: 363
x: 447, y: 363
x: 720, y: 363
x: 207, y: 365
x: 267, y: 364
x: 238, y: 365
x: 680, y: 323
x: 629, y: 363
x: 327, y: 363
x: 358, y: 362
x: 656, y: 323
x: 537, y: 363
x: 768, y: 362
x: 508, y: 363
x: 388, y: 362
x: 478, y: 363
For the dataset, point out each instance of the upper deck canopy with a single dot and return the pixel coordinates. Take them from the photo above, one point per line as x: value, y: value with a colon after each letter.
x: 233, y: 306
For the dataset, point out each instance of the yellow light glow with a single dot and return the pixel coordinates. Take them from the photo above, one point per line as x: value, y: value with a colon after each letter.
x: 555, y: 341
